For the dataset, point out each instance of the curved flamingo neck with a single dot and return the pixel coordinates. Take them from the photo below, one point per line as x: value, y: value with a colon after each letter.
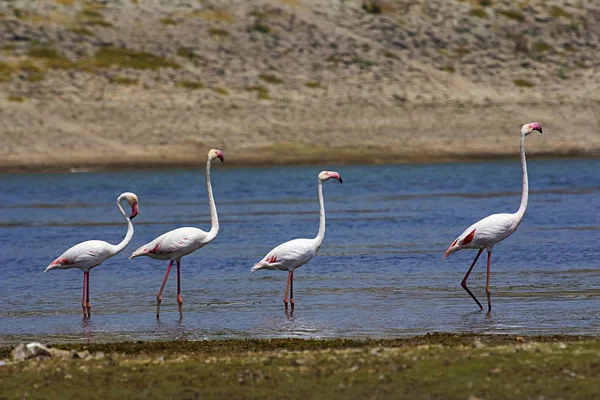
x: 214, y: 218
x: 525, y: 193
x: 116, y: 249
x: 321, y: 234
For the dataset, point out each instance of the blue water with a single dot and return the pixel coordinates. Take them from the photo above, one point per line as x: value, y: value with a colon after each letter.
x: 379, y: 272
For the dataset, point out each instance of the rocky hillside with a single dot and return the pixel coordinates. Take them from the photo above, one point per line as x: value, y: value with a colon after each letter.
x: 156, y: 82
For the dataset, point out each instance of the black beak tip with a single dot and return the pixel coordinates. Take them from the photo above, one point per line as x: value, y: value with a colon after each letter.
x: 341, y: 181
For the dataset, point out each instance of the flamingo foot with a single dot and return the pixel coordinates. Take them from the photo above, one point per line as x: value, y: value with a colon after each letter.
x: 285, y: 302
x: 83, y: 306
x: 292, y: 303
x: 89, y: 309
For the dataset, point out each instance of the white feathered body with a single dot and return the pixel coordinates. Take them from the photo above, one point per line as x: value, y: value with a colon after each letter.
x: 85, y: 256
x: 175, y: 244
x: 485, y: 233
x: 289, y: 255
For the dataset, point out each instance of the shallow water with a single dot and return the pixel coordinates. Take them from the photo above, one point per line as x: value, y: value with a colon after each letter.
x: 379, y: 272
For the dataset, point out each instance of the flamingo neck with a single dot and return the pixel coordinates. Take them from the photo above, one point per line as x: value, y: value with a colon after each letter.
x: 525, y: 194
x: 214, y: 218
x: 116, y: 249
x: 321, y: 234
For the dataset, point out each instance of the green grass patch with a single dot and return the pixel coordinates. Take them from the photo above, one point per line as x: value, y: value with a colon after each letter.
x: 448, y: 68
x: 261, y: 92
x: 168, y: 21
x: 187, y: 53
x: 15, y: 99
x: 125, y: 58
x: 478, y: 12
x: 523, y: 83
x: 218, y: 32
x: 190, y: 85
x: 91, y: 13
x: 372, y: 7
x: 33, y: 72
x: 220, y: 90
x: 50, y: 57
x: 270, y: 79
x: 558, y: 12
x: 485, y: 3
x: 261, y: 27
x: 438, y: 366
x: 6, y: 70
x: 80, y: 30
x: 313, y: 85
x: 121, y: 80
x: 541, y: 47
x: 98, y: 22
x: 512, y: 14
x: 390, y: 54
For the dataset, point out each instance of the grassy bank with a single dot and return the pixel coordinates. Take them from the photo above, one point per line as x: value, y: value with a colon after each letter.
x: 443, y: 366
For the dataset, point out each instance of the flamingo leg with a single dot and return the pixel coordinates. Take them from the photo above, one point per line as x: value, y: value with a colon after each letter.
x: 287, y: 287
x: 292, y: 289
x: 464, y: 281
x: 83, y: 303
x: 87, y: 289
x: 179, y: 299
x: 162, y: 287
x: 487, y: 282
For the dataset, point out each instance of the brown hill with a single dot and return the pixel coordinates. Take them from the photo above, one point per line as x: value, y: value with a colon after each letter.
x: 156, y: 82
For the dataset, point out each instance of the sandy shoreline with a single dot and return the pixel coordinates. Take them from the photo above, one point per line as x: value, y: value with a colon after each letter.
x: 238, y: 160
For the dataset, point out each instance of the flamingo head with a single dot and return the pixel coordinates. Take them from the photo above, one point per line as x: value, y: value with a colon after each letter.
x: 132, y: 199
x: 326, y: 175
x: 530, y: 127
x: 214, y: 153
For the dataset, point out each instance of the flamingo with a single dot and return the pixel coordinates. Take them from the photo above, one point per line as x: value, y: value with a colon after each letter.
x: 182, y: 241
x: 90, y: 254
x: 486, y: 233
x: 293, y: 254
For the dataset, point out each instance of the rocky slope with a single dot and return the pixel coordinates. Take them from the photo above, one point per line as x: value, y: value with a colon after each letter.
x: 157, y: 82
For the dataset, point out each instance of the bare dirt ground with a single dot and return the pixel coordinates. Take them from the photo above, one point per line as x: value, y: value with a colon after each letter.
x: 148, y: 83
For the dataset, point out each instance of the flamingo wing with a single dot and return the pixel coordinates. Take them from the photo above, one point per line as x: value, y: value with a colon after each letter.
x: 485, y: 233
x: 84, y: 255
x: 177, y: 242
x: 288, y: 255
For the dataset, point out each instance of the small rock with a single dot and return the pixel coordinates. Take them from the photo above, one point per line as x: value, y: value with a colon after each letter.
x: 24, y: 352
x: 60, y: 353
x: 2, y: 363
x: 478, y: 345
x: 68, y: 376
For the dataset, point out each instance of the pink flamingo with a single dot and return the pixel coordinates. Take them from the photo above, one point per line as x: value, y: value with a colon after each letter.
x: 293, y: 254
x: 182, y: 241
x: 90, y: 254
x: 486, y: 233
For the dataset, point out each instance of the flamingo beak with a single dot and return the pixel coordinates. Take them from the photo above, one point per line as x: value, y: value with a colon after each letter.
x: 338, y: 177
x: 134, y: 211
x: 536, y: 127
x: 220, y: 156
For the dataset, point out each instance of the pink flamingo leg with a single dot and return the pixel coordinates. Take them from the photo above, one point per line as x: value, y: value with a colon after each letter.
x: 162, y: 287
x: 83, y: 303
x: 292, y: 289
x: 464, y: 281
x: 487, y: 282
x: 287, y: 287
x: 179, y: 299
x: 89, y: 305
